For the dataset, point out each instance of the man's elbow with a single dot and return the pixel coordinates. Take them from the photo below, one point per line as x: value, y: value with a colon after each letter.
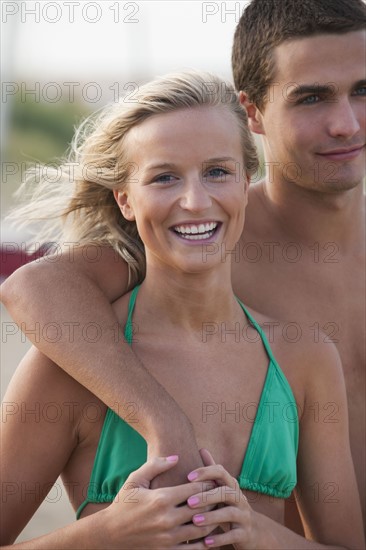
x: 8, y: 289
x: 19, y: 284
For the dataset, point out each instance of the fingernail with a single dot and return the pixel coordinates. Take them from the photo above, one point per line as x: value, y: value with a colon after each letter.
x: 192, y: 501
x: 193, y: 475
x: 198, y: 518
x: 172, y: 458
x: 209, y: 541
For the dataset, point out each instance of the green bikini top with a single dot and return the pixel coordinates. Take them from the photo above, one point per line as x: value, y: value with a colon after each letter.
x: 269, y: 464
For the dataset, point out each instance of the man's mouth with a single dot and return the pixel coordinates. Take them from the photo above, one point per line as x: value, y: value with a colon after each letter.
x: 196, y: 232
x: 343, y: 153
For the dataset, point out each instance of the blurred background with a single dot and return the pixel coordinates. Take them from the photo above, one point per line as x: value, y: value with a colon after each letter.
x: 63, y: 60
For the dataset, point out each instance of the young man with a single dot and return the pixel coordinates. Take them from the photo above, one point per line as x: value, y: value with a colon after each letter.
x: 301, y: 69
x: 304, y: 88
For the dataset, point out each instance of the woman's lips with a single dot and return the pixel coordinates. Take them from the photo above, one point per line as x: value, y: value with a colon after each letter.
x: 198, y: 238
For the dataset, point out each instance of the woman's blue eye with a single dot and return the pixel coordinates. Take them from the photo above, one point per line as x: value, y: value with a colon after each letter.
x: 217, y: 173
x: 164, y: 178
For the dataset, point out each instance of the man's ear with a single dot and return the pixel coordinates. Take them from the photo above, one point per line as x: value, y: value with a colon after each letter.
x: 254, y: 115
x: 122, y: 200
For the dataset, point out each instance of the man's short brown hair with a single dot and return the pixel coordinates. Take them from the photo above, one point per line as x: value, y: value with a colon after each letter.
x: 265, y: 24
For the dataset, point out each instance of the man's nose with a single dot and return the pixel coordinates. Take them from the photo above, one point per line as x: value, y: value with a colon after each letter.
x: 345, y: 119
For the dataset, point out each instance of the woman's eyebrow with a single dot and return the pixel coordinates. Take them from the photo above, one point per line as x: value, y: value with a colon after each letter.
x: 219, y: 159
x: 160, y: 166
x: 171, y: 166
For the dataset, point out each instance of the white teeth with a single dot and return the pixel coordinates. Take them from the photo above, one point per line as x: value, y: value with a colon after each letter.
x: 202, y: 229
x: 197, y: 237
x: 196, y: 232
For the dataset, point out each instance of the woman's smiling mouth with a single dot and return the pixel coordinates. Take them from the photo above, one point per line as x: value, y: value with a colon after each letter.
x: 196, y: 232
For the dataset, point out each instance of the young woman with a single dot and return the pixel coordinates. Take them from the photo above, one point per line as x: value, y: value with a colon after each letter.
x: 168, y: 176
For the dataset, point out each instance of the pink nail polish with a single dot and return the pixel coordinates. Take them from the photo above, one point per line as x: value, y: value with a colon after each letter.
x: 209, y: 541
x: 192, y: 476
x: 198, y: 518
x: 172, y: 458
x: 192, y: 501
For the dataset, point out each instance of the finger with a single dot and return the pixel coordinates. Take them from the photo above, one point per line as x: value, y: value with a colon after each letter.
x: 179, y: 494
x: 192, y: 546
x: 233, y: 536
x: 152, y: 468
x: 220, y: 495
x: 193, y: 532
x: 207, y: 457
x: 192, y: 536
x: 215, y: 472
x: 182, y: 515
x: 226, y: 514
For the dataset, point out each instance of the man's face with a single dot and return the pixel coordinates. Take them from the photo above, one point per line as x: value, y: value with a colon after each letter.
x: 313, y: 122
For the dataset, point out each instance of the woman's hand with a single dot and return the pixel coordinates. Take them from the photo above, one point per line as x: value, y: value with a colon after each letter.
x: 233, y: 514
x: 141, y: 517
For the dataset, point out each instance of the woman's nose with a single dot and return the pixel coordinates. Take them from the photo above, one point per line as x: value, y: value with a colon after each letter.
x: 195, y: 196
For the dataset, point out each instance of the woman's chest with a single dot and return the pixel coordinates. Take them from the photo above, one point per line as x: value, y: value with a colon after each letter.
x: 219, y: 390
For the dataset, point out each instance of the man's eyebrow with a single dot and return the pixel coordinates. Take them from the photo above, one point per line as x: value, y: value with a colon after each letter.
x: 303, y: 89
x: 325, y: 89
x: 360, y: 83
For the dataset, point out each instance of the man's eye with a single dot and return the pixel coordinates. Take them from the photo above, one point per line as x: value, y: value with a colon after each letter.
x: 310, y: 100
x: 361, y: 91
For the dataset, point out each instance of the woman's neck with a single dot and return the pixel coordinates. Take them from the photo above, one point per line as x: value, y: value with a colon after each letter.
x: 190, y: 300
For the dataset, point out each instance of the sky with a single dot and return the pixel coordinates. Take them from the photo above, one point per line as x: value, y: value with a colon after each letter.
x: 84, y: 40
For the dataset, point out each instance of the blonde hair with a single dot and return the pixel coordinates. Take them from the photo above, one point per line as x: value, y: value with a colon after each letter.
x: 81, y: 208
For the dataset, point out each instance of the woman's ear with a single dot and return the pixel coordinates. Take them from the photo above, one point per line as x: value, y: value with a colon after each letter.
x: 254, y: 115
x: 247, y: 182
x: 246, y: 187
x: 122, y: 200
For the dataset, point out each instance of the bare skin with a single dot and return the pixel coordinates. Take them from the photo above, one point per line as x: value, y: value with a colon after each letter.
x: 279, y: 211
x: 69, y: 445
x: 312, y: 231
x: 157, y: 417
x: 178, y: 296
x: 339, y: 318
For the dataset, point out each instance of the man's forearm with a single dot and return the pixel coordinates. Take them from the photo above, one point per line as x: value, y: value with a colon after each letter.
x: 71, y: 321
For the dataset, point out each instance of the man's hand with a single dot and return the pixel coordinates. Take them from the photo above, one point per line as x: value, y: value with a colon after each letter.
x: 185, y: 446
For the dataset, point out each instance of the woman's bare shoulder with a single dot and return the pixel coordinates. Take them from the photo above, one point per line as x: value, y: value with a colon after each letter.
x: 307, y: 359
x: 39, y: 383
